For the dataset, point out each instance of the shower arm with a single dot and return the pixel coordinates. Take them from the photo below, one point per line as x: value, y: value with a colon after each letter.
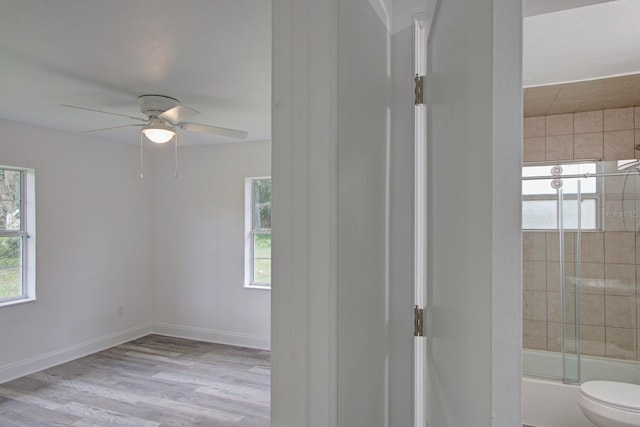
x: 579, y: 175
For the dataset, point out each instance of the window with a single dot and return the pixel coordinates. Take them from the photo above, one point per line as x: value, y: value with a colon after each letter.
x: 17, y: 240
x: 258, y: 233
x: 540, y: 197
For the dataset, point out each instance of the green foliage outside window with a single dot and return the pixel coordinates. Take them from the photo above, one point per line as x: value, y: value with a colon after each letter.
x: 262, y: 231
x: 10, y: 222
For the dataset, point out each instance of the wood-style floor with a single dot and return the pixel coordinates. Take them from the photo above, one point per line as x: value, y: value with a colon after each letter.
x: 150, y: 382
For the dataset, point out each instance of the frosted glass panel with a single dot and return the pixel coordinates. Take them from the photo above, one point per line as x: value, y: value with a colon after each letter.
x: 543, y: 214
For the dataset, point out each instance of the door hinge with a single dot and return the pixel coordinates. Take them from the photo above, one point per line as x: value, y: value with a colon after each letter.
x: 418, y: 321
x: 419, y: 90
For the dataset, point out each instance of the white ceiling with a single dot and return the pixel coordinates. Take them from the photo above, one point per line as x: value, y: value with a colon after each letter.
x: 214, y: 56
x: 537, y: 7
x: 600, y: 40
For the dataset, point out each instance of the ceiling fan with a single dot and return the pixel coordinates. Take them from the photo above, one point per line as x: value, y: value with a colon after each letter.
x: 164, y: 116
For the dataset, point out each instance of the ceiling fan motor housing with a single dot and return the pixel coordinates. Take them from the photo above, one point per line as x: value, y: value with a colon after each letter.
x: 154, y: 105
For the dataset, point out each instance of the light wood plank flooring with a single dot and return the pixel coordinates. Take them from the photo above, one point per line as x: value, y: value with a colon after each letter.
x: 155, y: 381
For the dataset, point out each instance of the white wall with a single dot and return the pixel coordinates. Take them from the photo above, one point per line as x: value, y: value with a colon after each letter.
x: 363, y: 128
x: 107, y: 238
x: 93, y: 225
x: 198, y: 244
x: 304, y: 128
x: 474, y: 93
x: 332, y: 165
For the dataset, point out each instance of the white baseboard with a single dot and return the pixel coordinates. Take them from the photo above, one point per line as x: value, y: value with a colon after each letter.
x: 37, y: 363
x: 210, y: 335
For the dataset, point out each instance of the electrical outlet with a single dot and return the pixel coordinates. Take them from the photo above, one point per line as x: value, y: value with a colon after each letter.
x: 120, y: 311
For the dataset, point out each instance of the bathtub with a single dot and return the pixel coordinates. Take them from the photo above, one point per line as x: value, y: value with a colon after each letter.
x: 547, y: 403
x: 551, y: 403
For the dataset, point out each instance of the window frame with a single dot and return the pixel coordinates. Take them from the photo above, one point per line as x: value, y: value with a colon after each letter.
x: 596, y: 196
x: 27, y: 236
x: 250, y: 234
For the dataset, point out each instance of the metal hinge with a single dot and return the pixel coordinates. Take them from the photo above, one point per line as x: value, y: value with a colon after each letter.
x: 419, y: 90
x: 418, y: 321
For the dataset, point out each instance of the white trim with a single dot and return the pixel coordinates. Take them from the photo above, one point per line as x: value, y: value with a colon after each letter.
x: 264, y: 288
x: 248, y: 252
x: 16, y: 301
x: 27, y: 234
x: 420, y: 224
x: 249, y: 234
x: 44, y: 361
x: 212, y: 335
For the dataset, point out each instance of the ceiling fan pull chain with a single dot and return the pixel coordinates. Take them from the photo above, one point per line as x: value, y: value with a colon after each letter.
x: 141, y: 158
x: 175, y: 164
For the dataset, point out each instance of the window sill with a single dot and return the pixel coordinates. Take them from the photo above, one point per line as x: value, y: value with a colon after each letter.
x: 266, y: 288
x: 16, y: 301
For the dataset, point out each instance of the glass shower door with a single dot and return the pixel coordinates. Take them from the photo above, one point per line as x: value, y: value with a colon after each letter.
x: 559, y: 201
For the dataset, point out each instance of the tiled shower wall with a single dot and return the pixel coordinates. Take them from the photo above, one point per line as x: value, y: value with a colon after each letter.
x: 610, y: 258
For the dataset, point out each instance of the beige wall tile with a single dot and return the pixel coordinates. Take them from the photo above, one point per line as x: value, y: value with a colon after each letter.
x: 634, y: 214
x: 534, y: 305
x: 570, y: 332
x: 592, y: 278
x: 592, y: 247
x: 638, y: 313
x: 588, y: 145
x: 553, y: 245
x: 534, y: 334
x: 619, y: 279
x: 534, y: 246
x: 554, y: 304
x: 559, y: 147
x: 592, y: 309
x: 534, y: 276
x: 588, y: 121
x: 620, y: 343
x: 620, y: 311
x: 592, y: 340
x: 618, y: 145
x: 533, y: 149
x: 553, y: 276
x: 619, y: 215
x: 615, y: 186
x: 534, y: 126
x: 637, y: 114
x: 570, y: 308
x: 559, y: 124
x: 619, y: 247
x: 554, y: 336
x: 619, y: 119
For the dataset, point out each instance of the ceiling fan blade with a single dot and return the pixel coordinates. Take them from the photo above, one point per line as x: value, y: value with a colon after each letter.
x: 104, y: 112
x: 113, y: 127
x: 214, y: 130
x: 178, y: 114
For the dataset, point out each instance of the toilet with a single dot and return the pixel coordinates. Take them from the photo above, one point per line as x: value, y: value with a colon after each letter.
x: 610, y: 404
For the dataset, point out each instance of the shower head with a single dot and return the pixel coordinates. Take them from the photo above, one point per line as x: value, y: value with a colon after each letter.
x: 625, y: 165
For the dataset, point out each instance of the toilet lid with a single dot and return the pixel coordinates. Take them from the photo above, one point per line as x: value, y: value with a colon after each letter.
x: 613, y: 393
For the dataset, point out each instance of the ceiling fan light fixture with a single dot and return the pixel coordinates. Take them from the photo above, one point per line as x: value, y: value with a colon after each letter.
x: 158, y: 132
